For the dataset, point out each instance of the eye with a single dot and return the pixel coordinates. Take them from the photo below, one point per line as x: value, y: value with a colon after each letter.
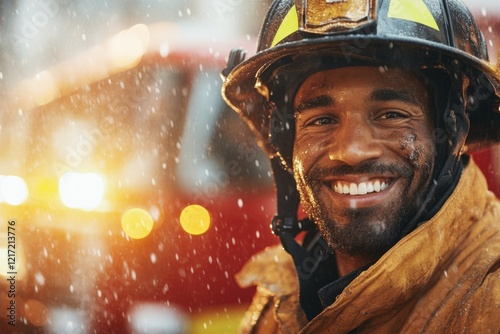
x: 321, y: 120
x: 392, y: 114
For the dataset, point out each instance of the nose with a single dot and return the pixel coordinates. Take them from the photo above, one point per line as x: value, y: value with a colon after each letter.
x: 355, y: 142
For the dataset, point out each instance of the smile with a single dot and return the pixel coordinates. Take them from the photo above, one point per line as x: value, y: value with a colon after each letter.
x: 358, y: 189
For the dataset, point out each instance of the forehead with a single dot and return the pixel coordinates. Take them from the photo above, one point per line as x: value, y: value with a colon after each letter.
x: 362, y: 78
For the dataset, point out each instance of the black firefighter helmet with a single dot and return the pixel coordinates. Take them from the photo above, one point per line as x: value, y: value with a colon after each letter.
x: 302, y: 36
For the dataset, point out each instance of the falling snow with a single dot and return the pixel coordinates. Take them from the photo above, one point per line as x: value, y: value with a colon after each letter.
x: 39, y: 278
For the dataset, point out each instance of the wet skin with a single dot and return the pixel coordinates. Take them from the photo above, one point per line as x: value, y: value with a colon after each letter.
x: 363, y: 156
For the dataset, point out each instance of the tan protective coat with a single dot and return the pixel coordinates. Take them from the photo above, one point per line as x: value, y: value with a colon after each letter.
x: 444, y: 277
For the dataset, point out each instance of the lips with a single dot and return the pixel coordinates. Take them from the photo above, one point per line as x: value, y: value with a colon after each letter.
x: 358, y: 189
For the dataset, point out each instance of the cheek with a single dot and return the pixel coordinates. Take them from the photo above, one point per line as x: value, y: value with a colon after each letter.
x: 298, y: 167
x: 301, y: 165
x: 307, y: 152
x: 303, y: 187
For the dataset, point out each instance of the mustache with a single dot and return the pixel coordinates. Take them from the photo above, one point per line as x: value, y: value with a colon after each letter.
x: 366, y: 167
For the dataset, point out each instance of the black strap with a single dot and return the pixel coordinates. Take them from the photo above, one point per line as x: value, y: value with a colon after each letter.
x: 310, y: 257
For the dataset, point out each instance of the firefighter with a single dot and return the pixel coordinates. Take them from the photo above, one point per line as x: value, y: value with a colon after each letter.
x: 367, y: 110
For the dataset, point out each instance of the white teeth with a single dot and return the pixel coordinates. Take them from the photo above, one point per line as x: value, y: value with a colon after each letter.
x: 362, y: 188
x: 353, y: 189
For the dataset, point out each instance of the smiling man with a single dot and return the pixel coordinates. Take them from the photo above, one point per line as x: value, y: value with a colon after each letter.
x: 363, y: 155
x: 367, y: 109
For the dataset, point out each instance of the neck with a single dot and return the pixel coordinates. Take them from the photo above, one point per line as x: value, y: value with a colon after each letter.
x: 347, y: 263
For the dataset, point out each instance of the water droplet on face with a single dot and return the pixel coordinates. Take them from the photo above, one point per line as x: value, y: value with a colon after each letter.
x: 379, y: 227
x: 408, y: 144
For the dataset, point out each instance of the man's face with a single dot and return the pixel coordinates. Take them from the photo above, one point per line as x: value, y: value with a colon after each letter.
x: 363, y: 154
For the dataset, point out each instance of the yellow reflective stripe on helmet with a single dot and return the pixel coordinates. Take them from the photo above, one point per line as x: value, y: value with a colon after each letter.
x: 288, y: 26
x: 412, y: 10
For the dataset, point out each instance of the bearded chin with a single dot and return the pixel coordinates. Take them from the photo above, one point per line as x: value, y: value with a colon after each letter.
x: 360, y: 231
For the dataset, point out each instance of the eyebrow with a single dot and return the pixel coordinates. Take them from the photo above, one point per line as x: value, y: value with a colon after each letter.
x: 380, y: 95
x: 404, y: 96
x: 315, y: 102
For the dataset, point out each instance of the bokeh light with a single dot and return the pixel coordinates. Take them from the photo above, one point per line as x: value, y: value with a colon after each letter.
x: 195, y: 219
x: 127, y: 48
x: 81, y: 190
x: 14, y: 190
x: 137, y: 223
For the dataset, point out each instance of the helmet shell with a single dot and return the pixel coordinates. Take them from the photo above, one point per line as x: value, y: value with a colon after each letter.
x: 425, y: 33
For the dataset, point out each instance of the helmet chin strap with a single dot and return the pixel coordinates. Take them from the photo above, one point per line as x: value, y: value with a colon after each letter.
x: 286, y: 222
x: 309, y: 256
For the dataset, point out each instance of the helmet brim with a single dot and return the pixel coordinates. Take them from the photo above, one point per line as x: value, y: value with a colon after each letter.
x: 240, y: 92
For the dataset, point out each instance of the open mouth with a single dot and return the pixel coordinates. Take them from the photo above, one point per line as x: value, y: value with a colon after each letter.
x: 362, y: 188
